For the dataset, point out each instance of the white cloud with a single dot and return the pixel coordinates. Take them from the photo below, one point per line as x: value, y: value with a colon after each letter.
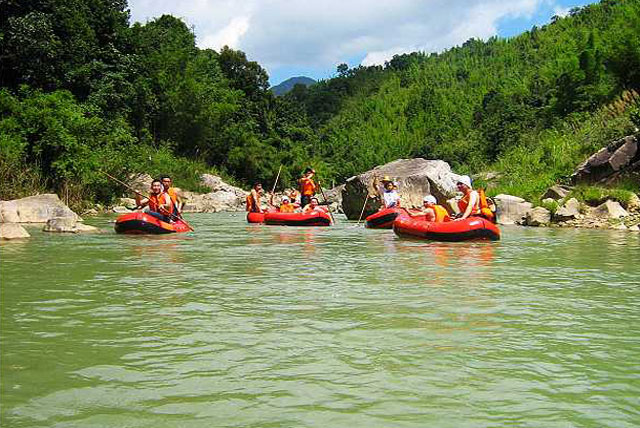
x: 228, y: 36
x: 299, y: 33
x: 561, y: 11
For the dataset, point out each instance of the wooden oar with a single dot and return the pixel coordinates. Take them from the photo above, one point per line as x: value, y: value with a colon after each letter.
x: 333, y: 220
x: 276, y: 182
x: 366, y: 198
x: 175, y: 217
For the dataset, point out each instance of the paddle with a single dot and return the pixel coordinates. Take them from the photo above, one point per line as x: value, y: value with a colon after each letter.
x: 366, y: 198
x: 173, y: 216
x: 276, y: 182
x: 273, y: 190
x: 333, y: 220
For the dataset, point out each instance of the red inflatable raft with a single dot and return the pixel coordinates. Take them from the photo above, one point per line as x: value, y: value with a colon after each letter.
x: 383, y: 219
x: 255, y: 217
x: 298, y: 219
x: 139, y: 223
x: 472, y: 228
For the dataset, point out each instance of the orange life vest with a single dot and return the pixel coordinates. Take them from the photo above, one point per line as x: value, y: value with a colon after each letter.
x: 485, y: 210
x: 308, y: 186
x: 464, y: 202
x: 441, y: 213
x: 174, y: 198
x: 156, y: 203
x: 252, y: 206
x: 287, y: 208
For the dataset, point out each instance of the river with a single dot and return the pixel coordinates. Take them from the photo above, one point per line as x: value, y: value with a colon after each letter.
x: 243, y: 325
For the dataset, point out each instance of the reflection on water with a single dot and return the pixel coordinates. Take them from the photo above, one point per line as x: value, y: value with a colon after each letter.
x: 250, y: 325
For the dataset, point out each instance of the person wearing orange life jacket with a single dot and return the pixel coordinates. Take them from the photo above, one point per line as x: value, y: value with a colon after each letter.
x: 286, y: 206
x: 308, y: 187
x: 469, y: 204
x: 158, y: 201
x: 253, y: 198
x: 432, y: 211
x: 175, y: 199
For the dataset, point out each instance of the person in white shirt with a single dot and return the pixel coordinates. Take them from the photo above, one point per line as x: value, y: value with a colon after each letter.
x: 388, y: 192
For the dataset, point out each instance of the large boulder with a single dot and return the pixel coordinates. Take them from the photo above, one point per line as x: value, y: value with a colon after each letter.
x: 35, y: 209
x: 569, y: 211
x: 10, y: 231
x: 609, y: 209
x: 539, y: 216
x: 619, y: 157
x: 557, y: 192
x: 511, y: 209
x: 415, y: 179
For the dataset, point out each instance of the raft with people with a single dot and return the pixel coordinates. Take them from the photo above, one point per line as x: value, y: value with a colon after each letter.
x: 470, y: 228
x: 384, y: 218
x: 141, y: 223
x: 313, y: 218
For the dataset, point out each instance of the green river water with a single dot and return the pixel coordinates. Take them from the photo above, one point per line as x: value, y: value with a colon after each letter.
x: 243, y: 325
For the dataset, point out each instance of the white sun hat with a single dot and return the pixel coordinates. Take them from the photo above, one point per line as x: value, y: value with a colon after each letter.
x: 430, y: 199
x: 465, y: 179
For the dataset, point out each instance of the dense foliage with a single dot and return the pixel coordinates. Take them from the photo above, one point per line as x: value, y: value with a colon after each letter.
x: 531, y: 107
x: 84, y: 91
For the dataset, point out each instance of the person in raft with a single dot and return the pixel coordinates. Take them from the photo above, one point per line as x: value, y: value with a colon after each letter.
x: 158, y: 202
x: 308, y: 187
x: 314, y: 206
x: 431, y: 210
x: 294, y: 197
x: 171, y: 191
x: 472, y: 203
x: 388, y: 192
x: 253, y: 198
x: 286, y: 206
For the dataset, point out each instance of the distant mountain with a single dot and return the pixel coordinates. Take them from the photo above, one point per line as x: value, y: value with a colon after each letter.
x: 288, y: 84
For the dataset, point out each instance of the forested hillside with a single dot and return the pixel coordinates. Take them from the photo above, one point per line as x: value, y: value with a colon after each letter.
x: 83, y: 90
x: 530, y: 107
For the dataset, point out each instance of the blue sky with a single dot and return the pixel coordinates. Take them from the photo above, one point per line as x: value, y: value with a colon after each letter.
x: 302, y: 38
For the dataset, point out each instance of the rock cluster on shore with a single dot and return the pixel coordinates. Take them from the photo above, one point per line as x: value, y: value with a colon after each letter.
x: 46, y: 208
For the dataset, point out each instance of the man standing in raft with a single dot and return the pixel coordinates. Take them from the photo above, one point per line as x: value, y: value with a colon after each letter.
x: 253, y: 198
x: 431, y: 210
x: 473, y: 203
x: 159, y: 202
x: 307, y: 187
x: 388, y: 192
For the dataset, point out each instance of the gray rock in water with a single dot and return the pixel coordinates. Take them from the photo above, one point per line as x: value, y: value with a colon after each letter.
x: 9, y: 231
x: 511, y: 209
x: 415, y: 179
x: 569, y: 211
x: 609, y: 209
x: 539, y: 216
x: 557, y: 192
x: 35, y: 209
x: 67, y: 225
